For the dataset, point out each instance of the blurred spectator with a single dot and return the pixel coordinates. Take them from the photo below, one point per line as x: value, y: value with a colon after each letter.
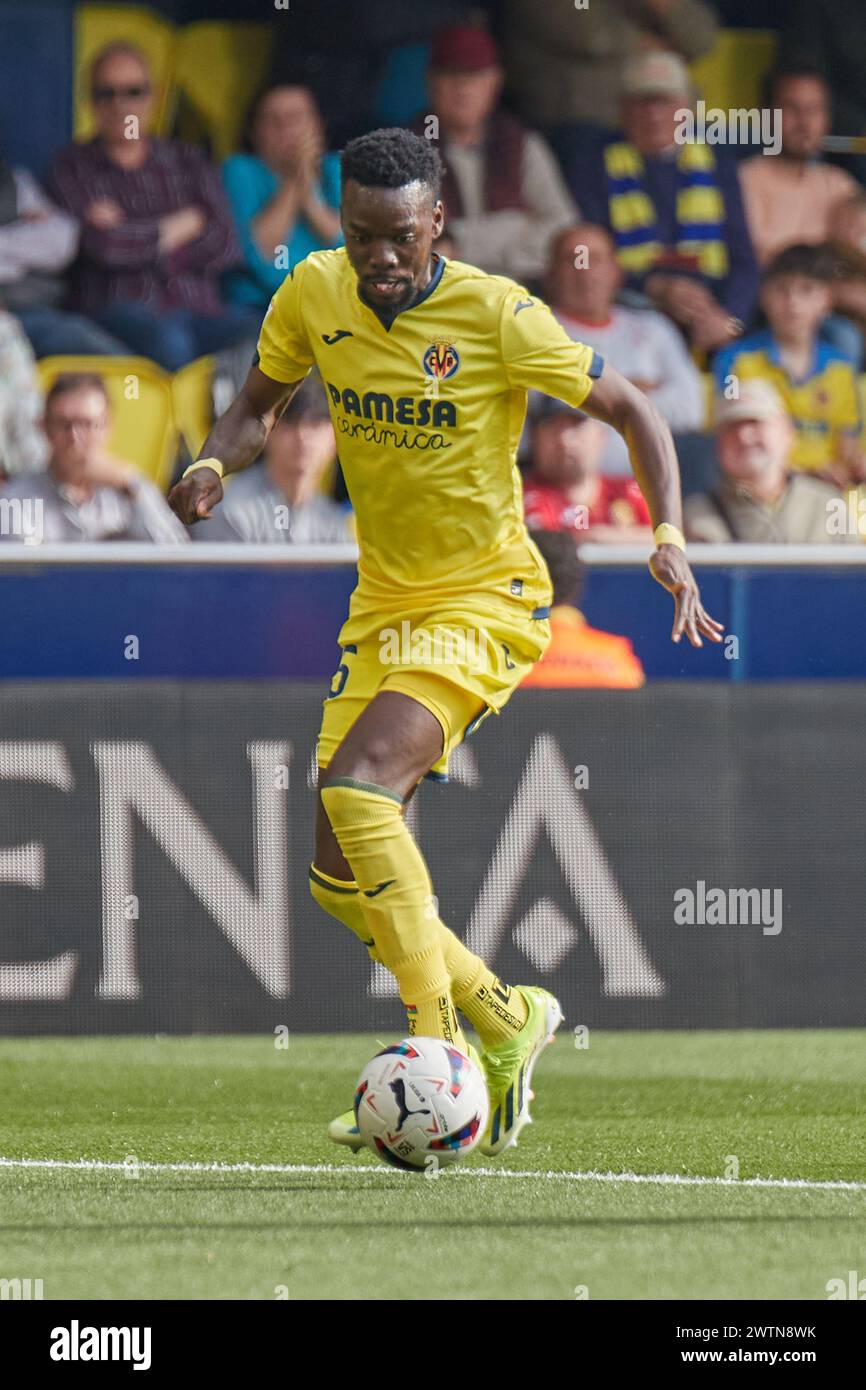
x: 831, y: 34
x: 848, y: 248
x: 789, y: 197
x: 156, y: 228
x: 674, y: 209
x: 85, y: 494
x: 564, y: 62
x: 759, y: 499
x: 565, y: 490
x: 278, y: 499
x: 817, y: 384
x: 22, y: 444
x: 37, y: 243
x: 285, y: 193
x: 342, y: 54
x: 578, y: 655
x: 503, y: 192
x: 640, y: 343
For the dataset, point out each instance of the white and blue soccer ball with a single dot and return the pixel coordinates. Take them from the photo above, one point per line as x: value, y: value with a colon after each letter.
x: 421, y: 1104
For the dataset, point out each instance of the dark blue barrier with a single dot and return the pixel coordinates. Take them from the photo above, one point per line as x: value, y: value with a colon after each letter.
x: 197, y: 622
x: 791, y: 624
x: 35, y: 81
x: 255, y: 619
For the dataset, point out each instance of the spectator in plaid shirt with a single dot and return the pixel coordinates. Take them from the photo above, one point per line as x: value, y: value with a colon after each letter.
x: 155, y: 227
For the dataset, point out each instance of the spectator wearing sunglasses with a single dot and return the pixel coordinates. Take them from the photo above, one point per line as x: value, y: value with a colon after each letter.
x: 155, y: 228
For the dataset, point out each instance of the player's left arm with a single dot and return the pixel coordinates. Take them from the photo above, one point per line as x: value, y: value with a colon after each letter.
x: 617, y: 402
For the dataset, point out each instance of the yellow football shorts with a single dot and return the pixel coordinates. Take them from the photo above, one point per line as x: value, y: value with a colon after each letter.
x: 461, y: 665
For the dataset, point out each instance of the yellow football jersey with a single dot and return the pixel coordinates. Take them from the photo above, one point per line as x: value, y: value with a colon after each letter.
x: 428, y: 414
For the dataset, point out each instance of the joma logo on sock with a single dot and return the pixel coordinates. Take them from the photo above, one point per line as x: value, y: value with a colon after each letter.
x: 77, y: 1343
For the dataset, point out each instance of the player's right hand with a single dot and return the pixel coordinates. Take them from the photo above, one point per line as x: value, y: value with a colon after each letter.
x: 193, y: 498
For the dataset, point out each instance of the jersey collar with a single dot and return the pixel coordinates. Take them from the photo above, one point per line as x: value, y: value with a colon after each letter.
x: 389, y: 320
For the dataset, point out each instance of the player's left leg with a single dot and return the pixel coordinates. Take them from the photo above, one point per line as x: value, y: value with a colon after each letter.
x: 493, y: 1008
x: 393, y: 742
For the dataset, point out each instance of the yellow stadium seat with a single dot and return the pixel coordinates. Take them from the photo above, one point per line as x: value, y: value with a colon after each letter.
x: 731, y: 76
x: 98, y: 25
x: 143, y: 431
x: 219, y: 68
x: 192, y: 401
x: 708, y: 382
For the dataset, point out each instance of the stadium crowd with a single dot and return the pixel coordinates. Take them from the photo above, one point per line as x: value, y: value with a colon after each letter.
x: 700, y: 270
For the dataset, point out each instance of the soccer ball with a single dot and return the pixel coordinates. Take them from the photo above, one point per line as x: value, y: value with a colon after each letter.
x: 421, y: 1103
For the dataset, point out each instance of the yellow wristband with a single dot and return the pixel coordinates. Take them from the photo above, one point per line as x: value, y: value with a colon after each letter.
x: 204, y: 463
x: 666, y: 534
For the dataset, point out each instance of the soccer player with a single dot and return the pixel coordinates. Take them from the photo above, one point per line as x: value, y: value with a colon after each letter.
x: 427, y: 364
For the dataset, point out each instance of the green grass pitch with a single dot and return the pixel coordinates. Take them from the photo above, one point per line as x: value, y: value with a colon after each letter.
x: 782, y: 1105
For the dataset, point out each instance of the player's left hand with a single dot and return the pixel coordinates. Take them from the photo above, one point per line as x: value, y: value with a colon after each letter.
x: 670, y: 568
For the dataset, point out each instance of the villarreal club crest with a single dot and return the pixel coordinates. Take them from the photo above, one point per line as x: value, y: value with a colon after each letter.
x: 441, y: 360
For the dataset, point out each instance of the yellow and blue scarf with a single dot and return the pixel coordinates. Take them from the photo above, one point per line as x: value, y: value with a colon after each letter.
x: 700, y: 210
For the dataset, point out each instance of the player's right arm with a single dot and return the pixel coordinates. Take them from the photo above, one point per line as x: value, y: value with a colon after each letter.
x: 237, y: 438
x: 239, y: 435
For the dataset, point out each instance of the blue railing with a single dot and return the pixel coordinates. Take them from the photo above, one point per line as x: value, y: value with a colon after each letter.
x: 237, y: 612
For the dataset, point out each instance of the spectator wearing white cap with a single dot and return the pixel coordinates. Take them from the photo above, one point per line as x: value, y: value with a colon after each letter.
x: 673, y: 206
x: 759, y: 499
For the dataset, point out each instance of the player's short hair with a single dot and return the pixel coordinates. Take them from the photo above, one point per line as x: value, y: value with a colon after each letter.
x: 813, y: 262
x: 566, y: 568
x: 68, y: 382
x: 390, y: 158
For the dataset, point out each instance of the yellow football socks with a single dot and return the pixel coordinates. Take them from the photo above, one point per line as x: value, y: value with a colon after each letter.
x: 496, y: 1011
x: 397, y: 900
x: 340, y: 897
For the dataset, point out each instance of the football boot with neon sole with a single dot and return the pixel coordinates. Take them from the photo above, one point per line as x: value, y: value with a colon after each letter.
x: 508, y: 1068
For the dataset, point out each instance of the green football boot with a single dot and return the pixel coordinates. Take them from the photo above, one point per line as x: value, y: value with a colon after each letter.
x: 508, y: 1068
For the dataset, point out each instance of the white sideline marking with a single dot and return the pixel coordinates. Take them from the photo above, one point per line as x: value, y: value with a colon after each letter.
x: 663, y: 1179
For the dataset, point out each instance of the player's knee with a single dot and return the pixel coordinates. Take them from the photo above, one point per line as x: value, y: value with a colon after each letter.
x: 373, y: 765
